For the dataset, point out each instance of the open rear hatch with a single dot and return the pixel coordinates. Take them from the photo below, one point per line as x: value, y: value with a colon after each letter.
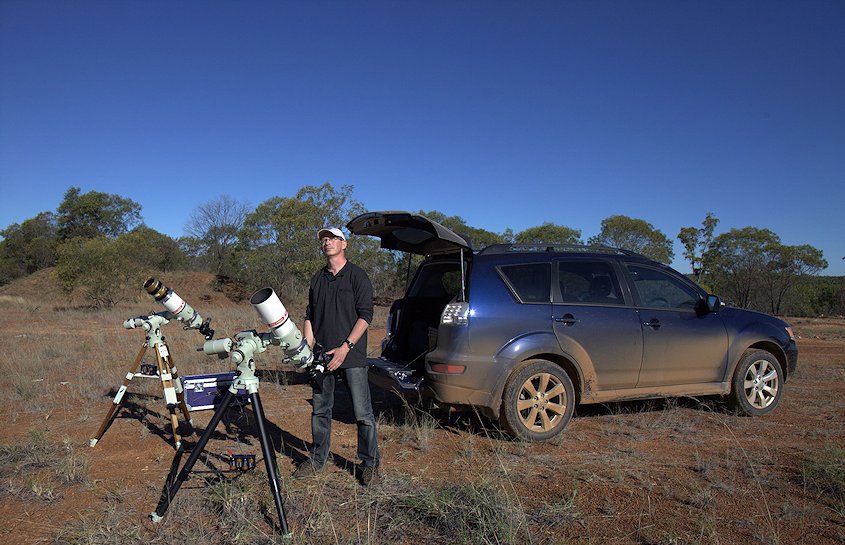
x: 400, y: 368
x: 408, y: 232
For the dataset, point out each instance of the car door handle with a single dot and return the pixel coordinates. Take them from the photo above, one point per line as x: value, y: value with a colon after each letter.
x: 567, y: 319
x: 654, y: 323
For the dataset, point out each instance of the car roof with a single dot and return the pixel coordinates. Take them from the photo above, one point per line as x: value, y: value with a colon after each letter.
x: 564, y: 249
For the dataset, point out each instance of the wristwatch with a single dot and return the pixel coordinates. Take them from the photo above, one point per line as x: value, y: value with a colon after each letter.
x: 350, y: 344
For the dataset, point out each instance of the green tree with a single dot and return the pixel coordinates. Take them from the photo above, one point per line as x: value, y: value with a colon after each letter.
x: 479, y: 238
x: 635, y: 235
x: 214, y: 226
x: 738, y: 259
x: 94, y: 214
x: 549, y: 233
x: 279, y: 238
x: 754, y: 270
x: 697, y: 241
x: 824, y: 295
x: 150, y: 250
x: 27, y: 247
x: 108, y: 271
x: 785, y: 268
x: 98, y: 269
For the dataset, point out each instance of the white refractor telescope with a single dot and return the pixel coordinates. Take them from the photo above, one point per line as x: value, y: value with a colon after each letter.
x: 177, y: 308
x: 283, y: 333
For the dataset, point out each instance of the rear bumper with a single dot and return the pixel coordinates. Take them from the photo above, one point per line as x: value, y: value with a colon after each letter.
x: 458, y: 395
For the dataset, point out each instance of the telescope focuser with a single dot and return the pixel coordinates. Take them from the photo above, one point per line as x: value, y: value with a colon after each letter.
x: 177, y: 308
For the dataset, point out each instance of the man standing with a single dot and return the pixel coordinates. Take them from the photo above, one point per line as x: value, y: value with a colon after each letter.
x: 340, y: 309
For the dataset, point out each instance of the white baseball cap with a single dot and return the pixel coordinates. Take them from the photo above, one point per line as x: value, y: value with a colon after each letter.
x: 330, y: 231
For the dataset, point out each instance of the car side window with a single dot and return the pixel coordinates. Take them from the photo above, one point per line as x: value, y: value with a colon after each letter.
x: 658, y: 289
x: 530, y: 282
x: 588, y: 282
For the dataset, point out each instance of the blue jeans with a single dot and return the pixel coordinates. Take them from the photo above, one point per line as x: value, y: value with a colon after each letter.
x: 321, y: 417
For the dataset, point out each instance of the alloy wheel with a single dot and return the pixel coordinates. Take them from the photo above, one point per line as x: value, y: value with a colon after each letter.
x: 542, y: 402
x: 761, y: 384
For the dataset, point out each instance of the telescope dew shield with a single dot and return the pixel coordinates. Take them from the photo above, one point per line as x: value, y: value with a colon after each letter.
x: 273, y: 313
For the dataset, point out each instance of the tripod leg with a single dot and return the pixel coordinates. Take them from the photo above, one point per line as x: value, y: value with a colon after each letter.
x: 269, y: 461
x: 162, y: 356
x: 180, y: 393
x: 118, y: 397
x: 170, y: 491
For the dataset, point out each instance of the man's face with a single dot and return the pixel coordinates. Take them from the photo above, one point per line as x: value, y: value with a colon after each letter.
x: 331, y: 245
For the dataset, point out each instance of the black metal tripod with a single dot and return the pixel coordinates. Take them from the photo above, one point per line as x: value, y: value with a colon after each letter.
x: 250, y: 382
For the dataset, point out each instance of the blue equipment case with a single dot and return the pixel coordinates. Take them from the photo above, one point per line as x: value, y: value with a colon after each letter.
x: 204, y: 392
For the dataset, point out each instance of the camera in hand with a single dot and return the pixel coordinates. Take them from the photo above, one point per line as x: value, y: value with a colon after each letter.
x: 317, y: 369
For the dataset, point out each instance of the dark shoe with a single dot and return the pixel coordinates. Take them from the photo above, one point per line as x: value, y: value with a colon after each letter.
x: 306, y: 470
x: 369, y: 475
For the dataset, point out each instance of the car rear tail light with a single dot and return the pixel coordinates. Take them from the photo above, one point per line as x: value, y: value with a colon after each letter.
x: 455, y: 314
x: 448, y: 368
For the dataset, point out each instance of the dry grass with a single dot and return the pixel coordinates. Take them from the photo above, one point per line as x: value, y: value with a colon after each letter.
x: 818, y: 328
x: 667, y: 472
x: 824, y: 472
x: 36, y: 469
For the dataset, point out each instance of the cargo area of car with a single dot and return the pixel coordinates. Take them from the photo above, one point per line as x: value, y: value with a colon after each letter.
x: 415, y: 330
x: 415, y: 318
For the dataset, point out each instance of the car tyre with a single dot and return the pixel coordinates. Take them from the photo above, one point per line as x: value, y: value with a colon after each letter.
x: 538, y: 401
x: 757, y: 384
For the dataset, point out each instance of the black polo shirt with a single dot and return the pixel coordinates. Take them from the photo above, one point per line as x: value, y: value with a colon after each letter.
x: 335, y: 302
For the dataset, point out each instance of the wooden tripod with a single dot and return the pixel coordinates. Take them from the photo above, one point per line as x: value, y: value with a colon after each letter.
x: 166, y: 367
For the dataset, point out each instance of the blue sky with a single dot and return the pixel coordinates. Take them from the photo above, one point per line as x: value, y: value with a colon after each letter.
x: 509, y: 114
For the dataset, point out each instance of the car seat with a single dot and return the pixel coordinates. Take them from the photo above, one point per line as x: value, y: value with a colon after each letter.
x: 601, y: 289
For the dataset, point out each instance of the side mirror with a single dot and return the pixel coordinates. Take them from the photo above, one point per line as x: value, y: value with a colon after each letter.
x: 708, y: 304
x: 714, y: 304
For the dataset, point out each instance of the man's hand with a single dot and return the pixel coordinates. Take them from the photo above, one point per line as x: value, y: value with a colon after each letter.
x: 338, y: 356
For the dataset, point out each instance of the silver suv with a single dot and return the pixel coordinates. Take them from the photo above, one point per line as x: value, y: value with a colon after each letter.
x: 524, y: 333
